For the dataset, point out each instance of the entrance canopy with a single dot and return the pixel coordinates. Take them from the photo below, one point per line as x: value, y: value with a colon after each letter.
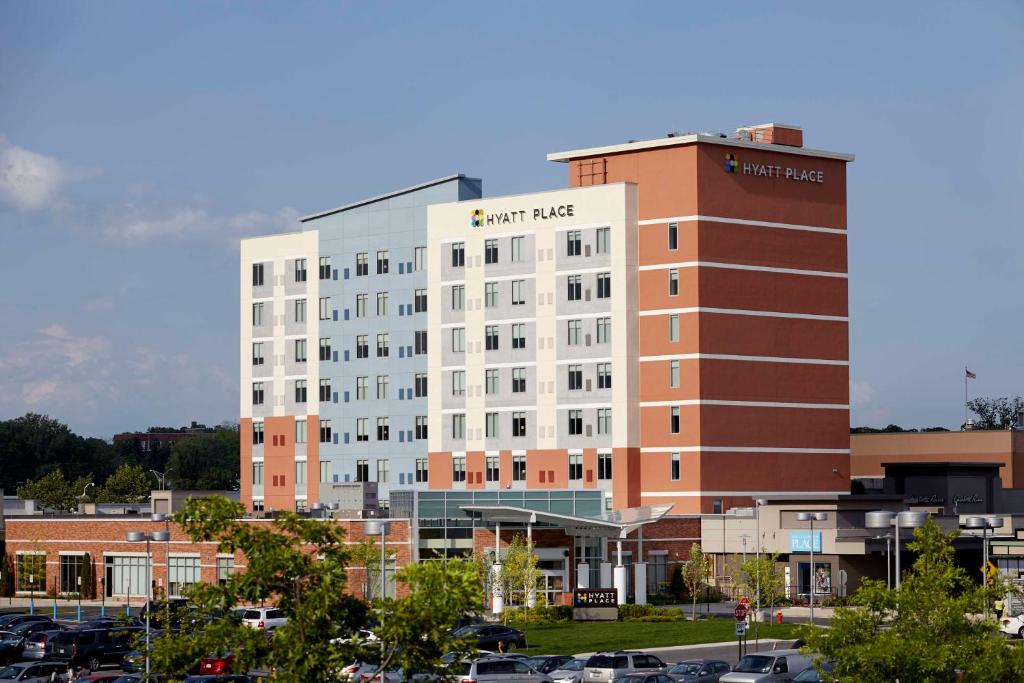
x: 614, y: 525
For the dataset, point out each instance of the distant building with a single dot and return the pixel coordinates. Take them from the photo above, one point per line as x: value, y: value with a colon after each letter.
x: 156, y: 438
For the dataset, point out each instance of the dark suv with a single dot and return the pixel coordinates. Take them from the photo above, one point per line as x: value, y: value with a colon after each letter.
x: 92, y: 648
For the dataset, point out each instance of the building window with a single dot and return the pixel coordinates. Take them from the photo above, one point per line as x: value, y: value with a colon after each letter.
x: 458, y: 297
x: 382, y: 262
x: 360, y: 305
x: 604, y: 330
x: 326, y: 476
x: 490, y: 294
x: 458, y: 383
x: 420, y: 301
x: 257, y: 433
x: 673, y: 281
x: 575, y: 377
x: 325, y: 308
x: 458, y: 254
x: 257, y: 393
x: 604, y: 420
x: 325, y: 267
x: 458, y: 340
x: 257, y: 315
x: 71, y: 573
x: 325, y: 389
x: 257, y: 474
x: 325, y: 348
x: 300, y: 391
x: 491, y: 337
x: 421, y: 384
x: 383, y: 429
x: 518, y: 424
x: 657, y: 574
x: 604, y: 466
x: 300, y: 350
x: 673, y: 374
x: 325, y: 431
x: 459, y: 426
x: 300, y: 431
x: 362, y: 470
x: 419, y: 258
x: 361, y: 388
x: 716, y: 506
x: 300, y: 270
x: 183, y: 572
x: 383, y: 383
x: 225, y: 568
x: 674, y: 420
x: 459, y: 468
x: 603, y: 240
x: 421, y: 470
x: 420, y: 342
x: 518, y: 335
x: 382, y: 470
x: 421, y: 427
x: 362, y: 264
x: 575, y: 466
x: 575, y: 287
x: 490, y: 251
x: 518, y: 468
x: 604, y: 375
x: 257, y: 353
x: 572, y: 243
x: 493, y: 470
x: 491, y: 425
x: 604, y: 285
x: 491, y: 381
x: 362, y: 346
x: 300, y: 310
x: 517, y: 249
x: 257, y: 275
x: 362, y: 429
x: 673, y: 327
x: 518, y: 292
x: 575, y: 422
x: 383, y: 345
x: 673, y: 236
x: 126, y: 574
x: 675, y: 467
x: 382, y: 303
x: 300, y: 472
x: 518, y: 380
x: 575, y: 332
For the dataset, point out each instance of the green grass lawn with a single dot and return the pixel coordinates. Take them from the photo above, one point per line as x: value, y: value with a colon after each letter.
x: 622, y: 635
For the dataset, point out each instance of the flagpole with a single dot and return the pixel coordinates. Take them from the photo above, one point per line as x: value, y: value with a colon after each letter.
x: 965, y: 397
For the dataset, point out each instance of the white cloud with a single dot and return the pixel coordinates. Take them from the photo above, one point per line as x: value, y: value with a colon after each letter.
x: 133, y: 225
x: 865, y: 410
x: 29, y: 180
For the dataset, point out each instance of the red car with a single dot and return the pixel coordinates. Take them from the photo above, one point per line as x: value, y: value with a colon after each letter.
x: 212, y: 665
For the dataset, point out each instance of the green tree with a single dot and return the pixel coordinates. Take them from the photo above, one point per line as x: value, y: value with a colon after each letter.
x: 481, y: 564
x: 33, y: 445
x: 995, y: 413
x: 209, y: 462
x: 53, y: 492
x: 925, y: 631
x: 6, y: 576
x: 367, y: 555
x: 766, y: 573
x: 519, y: 578
x: 694, y: 575
x: 129, y: 484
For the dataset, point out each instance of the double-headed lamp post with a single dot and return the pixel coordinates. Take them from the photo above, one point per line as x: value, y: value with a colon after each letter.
x: 372, y: 527
x: 884, y: 519
x: 758, y: 502
x: 984, y: 523
x: 812, y: 517
x: 139, y: 537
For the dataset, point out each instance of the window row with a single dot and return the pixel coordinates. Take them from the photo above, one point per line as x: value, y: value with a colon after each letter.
x: 299, y: 386
x: 298, y: 271
x: 492, y: 467
x: 491, y: 381
x: 298, y: 311
x: 575, y: 292
x: 492, y: 422
x: 383, y: 299
x: 574, y: 246
x: 383, y: 431
x: 576, y: 334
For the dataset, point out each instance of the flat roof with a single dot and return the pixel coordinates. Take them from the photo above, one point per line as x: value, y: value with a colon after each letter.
x: 615, y: 525
x: 679, y: 140
x: 381, y: 197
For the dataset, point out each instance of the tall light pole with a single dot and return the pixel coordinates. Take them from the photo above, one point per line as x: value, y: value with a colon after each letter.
x: 372, y: 527
x: 81, y: 498
x: 139, y: 537
x: 166, y: 519
x: 812, y: 517
x: 984, y: 523
x: 758, y: 502
x: 884, y: 519
x: 161, y: 477
x: 888, y: 557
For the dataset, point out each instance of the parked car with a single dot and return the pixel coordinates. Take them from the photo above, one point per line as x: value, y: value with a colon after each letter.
x: 133, y: 661
x: 1012, y: 626
x: 128, y: 678
x: 489, y: 635
x: 498, y: 670
x: 37, y: 645
x: 547, y: 663
x: 605, y: 667
x: 216, y: 665
x: 698, y: 671
x: 99, y: 678
x: 812, y: 675
x: 9, y: 621
x: 232, y: 678
x: 569, y: 672
x: 33, y: 672
x: 267, y: 618
x: 768, y: 667
x: 93, y: 648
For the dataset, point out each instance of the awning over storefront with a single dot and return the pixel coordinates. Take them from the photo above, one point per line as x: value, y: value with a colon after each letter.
x: 614, y: 525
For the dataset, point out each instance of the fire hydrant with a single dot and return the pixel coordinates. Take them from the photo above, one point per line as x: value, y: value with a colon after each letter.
x: 778, y: 617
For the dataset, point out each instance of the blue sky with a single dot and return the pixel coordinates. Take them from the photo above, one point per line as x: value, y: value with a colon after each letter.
x: 139, y: 141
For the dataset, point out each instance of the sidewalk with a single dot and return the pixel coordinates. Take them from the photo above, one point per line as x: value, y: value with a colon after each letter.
x: 789, y: 614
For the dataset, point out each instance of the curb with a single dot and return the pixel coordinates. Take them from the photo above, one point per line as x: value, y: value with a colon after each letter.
x: 693, y: 646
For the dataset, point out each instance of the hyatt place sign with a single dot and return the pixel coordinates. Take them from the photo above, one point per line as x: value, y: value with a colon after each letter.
x: 479, y: 219
x: 806, y: 175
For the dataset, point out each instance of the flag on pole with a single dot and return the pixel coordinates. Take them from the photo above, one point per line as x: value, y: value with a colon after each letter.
x: 970, y: 375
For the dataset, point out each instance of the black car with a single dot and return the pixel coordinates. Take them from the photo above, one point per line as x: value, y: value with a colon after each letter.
x: 488, y: 636
x: 547, y: 663
x: 93, y: 648
x: 9, y: 621
x: 11, y: 645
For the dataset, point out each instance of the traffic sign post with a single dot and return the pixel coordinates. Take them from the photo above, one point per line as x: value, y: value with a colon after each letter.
x: 741, y: 626
x: 740, y: 612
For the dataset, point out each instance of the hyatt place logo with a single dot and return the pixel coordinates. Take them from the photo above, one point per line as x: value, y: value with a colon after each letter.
x: 730, y: 163
x: 476, y: 218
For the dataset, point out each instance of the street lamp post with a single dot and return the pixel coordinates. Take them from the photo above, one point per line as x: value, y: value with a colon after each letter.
x: 812, y: 517
x: 166, y: 519
x: 907, y: 519
x: 161, y: 477
x: 372, y: 527
x: 984, y: 523
x: 138, y: 537
x: 757, y: 569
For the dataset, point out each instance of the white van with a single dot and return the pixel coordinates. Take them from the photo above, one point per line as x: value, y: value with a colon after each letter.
x: 768, y: 667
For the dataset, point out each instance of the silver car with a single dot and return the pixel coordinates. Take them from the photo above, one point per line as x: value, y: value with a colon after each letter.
x: 498, y: 670
x: 768, y: 667
x: 698, y: 671
x: 36, y: 645
x: 570, y: 672
x: 605, y: 667
x: 33, y: 672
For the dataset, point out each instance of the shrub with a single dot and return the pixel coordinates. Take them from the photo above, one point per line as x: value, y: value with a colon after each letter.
x: 648, y: 613
x: 550, y: 614
x: 663, y: 599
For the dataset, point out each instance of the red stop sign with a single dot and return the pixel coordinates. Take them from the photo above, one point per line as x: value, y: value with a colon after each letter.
x: 740, y: 612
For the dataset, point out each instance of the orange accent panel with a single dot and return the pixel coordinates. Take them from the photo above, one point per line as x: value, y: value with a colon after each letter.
x: 869, y: 451
x: 654, y: 381
x: 590, y: 468
x: 746, y: 335
x: 653, y: 243
x: 554, y: 463
x: 625, y: 477
x: 475, y: 469
x: 654, y: 335
x: 656, y: 472
x: 439, y: 470
x: 245, y: 454
x: 655, y: 426
x: 279, y: 461
x: 652, y: 286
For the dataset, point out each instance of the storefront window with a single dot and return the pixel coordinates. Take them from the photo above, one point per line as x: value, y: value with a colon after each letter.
x: 31, y: 570
x: 657, y: 577
x: 126, y: 575
x: 184, y: 572
x: 70, y: 572
x: 822, y: 578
